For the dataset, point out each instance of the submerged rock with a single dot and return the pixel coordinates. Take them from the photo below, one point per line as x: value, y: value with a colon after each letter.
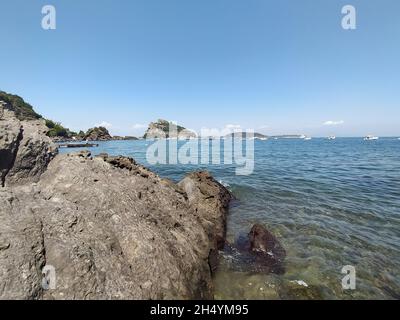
x: 264, y: 242
x: 298, y: 290
x: 259, y: 251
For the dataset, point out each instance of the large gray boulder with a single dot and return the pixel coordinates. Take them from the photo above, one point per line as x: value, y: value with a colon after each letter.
x: 112, y: 230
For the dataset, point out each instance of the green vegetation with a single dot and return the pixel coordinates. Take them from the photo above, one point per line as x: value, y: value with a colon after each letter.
x: 56, y: 129
x: 23, y: 110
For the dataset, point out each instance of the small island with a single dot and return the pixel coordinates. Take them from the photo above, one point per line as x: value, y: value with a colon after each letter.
x: 165, y: 129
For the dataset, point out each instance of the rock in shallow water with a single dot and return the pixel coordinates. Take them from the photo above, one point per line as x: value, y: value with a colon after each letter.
x: 259, y: 251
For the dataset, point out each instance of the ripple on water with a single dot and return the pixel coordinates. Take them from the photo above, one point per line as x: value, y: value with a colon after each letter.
x: 329, y: 204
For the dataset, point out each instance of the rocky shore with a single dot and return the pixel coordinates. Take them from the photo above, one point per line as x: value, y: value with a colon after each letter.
x: 110, y: 228
x: 93, y: 134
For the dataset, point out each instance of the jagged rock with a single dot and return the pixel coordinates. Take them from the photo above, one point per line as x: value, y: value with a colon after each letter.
x: 10, y: 137
x: 25, y: 150
x: 211, y: 200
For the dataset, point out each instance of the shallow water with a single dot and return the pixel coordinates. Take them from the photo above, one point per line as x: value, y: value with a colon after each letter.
x: 330, y: 203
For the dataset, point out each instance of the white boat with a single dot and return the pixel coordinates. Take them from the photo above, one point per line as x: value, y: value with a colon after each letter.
x: 370, y: 137
x: 307, y: 138
x: 331, y: 138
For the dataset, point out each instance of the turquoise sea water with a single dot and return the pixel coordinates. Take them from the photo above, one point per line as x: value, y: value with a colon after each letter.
x: 330, y: 203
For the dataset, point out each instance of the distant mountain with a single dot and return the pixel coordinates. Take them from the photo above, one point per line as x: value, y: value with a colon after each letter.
x: 288, y: 136
x: 243, y: 135
x: 124, y: 138
x: 262, y: 136
x: 23, y: 110
x: 163, y: 129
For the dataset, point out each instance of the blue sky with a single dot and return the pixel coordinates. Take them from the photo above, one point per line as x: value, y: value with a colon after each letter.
x: 275, y: 66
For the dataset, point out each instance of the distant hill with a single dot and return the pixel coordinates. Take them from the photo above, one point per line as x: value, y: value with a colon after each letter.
x: 262, y: 136
x: 23, y: 110
x: 243, y: 135
x: 288, y: 136
x: 124, y: 138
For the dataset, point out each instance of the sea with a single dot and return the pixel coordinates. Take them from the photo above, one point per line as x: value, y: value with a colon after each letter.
x: 334, y: 205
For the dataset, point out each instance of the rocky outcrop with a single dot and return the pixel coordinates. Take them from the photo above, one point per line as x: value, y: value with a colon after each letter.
x: 25, y: 150
x: 98, y: 134
x: 211, y: 200
x: 108, y: 227
x: 21, y: 109
x: 165, y: 129
x: 111, y: 229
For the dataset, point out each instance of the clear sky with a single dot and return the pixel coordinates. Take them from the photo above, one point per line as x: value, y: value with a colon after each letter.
x: 278, y: 67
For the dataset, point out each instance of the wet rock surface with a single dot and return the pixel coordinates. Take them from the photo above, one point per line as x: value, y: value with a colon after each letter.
x: 259, y: 251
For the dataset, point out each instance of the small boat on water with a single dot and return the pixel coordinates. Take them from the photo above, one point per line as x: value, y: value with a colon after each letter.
x: 307, y: 138
x: 370, y: 137
x: 331, y: 138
